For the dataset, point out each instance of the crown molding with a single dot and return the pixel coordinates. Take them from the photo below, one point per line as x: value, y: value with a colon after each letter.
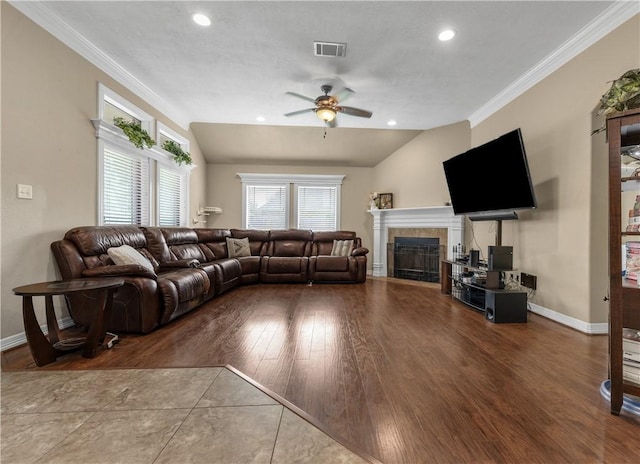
x: 606, y: 22
x: 51, y: 22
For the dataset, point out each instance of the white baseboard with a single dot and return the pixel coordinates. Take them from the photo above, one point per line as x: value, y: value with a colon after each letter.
x: 595, y: 328
x: 20, y: 339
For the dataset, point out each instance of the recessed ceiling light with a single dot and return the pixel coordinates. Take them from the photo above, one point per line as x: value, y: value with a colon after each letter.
x: 447, y: 34
x: 391, y: 122
x: 201, y: 19
x: 261, y: 119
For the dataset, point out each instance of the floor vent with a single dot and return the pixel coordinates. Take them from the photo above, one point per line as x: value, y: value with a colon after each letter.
x: 329, y: 49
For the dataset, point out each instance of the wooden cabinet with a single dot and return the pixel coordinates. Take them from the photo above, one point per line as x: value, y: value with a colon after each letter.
x: 623, y: 134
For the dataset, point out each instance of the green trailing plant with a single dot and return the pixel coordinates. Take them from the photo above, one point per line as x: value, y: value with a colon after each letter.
x: 179, y: 155
x: 624, y: 94
x: 137, y: 135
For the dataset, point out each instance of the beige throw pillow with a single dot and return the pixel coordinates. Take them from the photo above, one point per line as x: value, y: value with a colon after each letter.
x: 238, y: 247
x: 126, y: 254
x: 342, y: 248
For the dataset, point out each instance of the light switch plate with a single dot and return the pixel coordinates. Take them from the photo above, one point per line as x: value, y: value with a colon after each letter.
x: 25, y: 191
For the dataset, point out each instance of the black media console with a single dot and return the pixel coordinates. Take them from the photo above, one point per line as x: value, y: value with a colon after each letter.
x: 481, y: 285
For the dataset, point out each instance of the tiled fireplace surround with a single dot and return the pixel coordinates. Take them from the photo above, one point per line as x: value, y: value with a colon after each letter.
x: 431, y: 222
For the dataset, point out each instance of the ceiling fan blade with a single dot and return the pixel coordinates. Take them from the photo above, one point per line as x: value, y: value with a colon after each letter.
x: 295, y: 113
x: 309, y: 99
x: 343, y: 94
x: 354, y: 111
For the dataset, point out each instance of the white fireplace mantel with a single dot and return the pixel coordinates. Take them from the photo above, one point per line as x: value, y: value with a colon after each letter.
x: 428, y: 217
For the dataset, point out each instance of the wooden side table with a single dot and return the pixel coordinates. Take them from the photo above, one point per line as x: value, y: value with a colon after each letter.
x: 46, y: 351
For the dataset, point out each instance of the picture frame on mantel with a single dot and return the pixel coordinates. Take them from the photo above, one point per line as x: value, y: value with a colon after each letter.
x: 385, y: 200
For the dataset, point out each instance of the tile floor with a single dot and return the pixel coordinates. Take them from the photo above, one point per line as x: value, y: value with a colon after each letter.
x: 188, y: 415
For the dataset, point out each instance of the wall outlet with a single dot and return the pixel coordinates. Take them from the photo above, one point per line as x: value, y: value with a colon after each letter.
x: 528, y: 280
x: 25, y: 191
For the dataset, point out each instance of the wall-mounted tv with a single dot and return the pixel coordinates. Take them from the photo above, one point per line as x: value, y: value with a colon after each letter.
x: 491, y: 181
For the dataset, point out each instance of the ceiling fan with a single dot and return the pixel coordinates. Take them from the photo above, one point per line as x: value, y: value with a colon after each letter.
x: 327, y: 106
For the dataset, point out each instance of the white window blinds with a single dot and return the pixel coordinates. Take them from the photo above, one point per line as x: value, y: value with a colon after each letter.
x: 170, y: 197
x: 125, y: 194
x: 266, y: 206
x: 317, y: 207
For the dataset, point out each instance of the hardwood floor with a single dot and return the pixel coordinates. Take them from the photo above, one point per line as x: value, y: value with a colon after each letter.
x: 400, y: 371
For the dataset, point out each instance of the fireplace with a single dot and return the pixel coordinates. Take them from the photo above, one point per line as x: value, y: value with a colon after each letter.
x: 414, y: 258
x: 427, y: 222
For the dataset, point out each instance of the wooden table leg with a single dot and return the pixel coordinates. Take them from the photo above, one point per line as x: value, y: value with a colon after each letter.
x: 104, y: 299
x: 41, y: 350
x: 52, y: 321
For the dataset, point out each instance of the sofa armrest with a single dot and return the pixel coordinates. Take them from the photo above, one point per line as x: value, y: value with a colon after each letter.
x: 180, y: 263
x: 119, y: 270
x: 360, y: 251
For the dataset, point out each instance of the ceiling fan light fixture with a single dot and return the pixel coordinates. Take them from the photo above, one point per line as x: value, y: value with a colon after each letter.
x: 326, y: 114
x: 447, y: 34
x: 201, y: 20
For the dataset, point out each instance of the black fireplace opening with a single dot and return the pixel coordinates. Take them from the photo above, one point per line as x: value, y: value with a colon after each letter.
x: 416, y: 258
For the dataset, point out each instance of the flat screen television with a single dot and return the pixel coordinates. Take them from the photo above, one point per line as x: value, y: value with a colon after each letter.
x: 491, y: 181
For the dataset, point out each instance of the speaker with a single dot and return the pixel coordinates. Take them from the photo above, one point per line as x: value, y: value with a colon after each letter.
x: 474, y: 258
x: 500, y: 258
x: 505, y: 306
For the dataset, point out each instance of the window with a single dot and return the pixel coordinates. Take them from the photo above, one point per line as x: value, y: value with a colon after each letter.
x: 267, y: 207
x: 136, y: 186
x: 267, y: 199
x: 317, y: 207
x: 125, y: 189
x: 165, y: 134
x: 171, y: 193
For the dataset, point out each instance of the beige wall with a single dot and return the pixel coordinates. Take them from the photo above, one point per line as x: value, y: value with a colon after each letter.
x: 225, y: 191
x: 414, y: 173
x: 564, y: 242
x: 50, y: 93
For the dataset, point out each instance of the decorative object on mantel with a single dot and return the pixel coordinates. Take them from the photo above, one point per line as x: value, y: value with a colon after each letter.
x: 385, y: 200
x: 179, y: 155
x: 137, y: 135
x: 373, y: 200
x: 624, y: 94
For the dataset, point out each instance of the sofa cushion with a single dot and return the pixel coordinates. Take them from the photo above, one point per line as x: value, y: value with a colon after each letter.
x: 238, y: 247
x: 331, y: 264
x: 286, y: 265
x: 96, y: 240
x: 126, y: 254
x: 290, y: 243
x: 213, y: 243
x: 257, y: 239
x: 342, y: 247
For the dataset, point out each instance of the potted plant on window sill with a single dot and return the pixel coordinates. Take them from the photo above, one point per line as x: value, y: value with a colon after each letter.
x: 179, y: 155
x: 134, y: 131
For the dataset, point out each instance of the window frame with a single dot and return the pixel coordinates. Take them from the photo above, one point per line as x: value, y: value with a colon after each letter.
x: 245, y: 197
x: 168, y: 133
x: 291, y: 181
x: 296, y: 200
x: 105, y: 146
x: 184, y: 191
x: 111, y: 138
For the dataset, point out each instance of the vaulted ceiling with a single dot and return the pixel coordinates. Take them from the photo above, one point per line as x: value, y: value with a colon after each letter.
x: 220, y: 78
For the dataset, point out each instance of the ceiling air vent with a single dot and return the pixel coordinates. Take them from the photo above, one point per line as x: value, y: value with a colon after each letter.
x: 329, y: 49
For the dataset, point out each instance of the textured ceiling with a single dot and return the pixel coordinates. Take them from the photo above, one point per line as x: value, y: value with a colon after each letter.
x: 241, y: 66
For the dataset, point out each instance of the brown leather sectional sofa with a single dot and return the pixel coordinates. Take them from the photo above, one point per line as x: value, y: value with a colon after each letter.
x: 192, y: 266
